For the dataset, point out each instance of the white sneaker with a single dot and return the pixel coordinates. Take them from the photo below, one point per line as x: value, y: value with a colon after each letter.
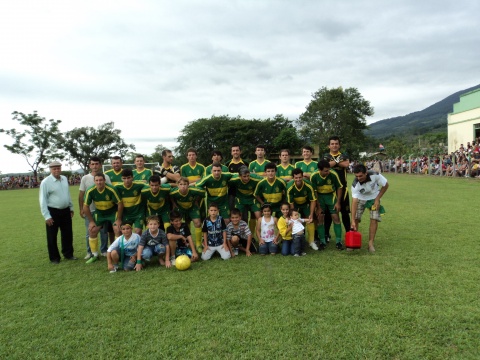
x: 313, y: 245
x: 235, y: 251
x: 104, y: 254
x: 88, y: 256
x: 172, y: 260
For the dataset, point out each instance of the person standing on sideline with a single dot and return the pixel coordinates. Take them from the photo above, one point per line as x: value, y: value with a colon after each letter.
x: 57, y: 209
x: 367, y: 190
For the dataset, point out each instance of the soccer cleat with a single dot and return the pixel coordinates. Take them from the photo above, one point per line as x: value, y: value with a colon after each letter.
x: 92, y: 260
x: 339, y: 246
x: 313, y: 245
x: 88, y: 256
x: 322, y: 246
x: 296, y: 255
x: 327, y: 239
x: 303, y: 254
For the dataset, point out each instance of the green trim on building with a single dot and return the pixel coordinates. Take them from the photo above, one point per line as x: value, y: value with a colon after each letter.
x: 468, y: 101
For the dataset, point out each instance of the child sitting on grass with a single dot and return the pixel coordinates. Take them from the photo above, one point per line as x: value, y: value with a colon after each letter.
x: 180, y: 239
x: 268, y: 241
x: 153, y: 242
x: 214, y: 235
x: 123, y: 251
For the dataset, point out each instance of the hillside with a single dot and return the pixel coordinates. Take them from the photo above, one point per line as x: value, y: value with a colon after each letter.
x: 431, y: 119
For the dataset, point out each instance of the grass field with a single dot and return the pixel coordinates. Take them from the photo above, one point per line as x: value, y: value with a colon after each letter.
x: 417, y: 297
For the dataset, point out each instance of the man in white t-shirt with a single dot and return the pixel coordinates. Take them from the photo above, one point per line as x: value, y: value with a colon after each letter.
x: 367, y: 189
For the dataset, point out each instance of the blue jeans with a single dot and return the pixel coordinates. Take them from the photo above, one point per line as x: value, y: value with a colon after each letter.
x: 103, y: 237
x: 287, y: 247
x: 268, y: 247
x: 299, y: 243
x: 149, y: 251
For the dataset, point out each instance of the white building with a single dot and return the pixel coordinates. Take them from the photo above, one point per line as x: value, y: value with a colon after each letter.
x: 464, y: 121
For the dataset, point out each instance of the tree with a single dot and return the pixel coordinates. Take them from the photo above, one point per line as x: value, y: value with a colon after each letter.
x: 80, y: 144
x: 38, y: 142
x: 156, y: 156
x: 288, y: 139
x: 336, y: 112
x: 221, y: 132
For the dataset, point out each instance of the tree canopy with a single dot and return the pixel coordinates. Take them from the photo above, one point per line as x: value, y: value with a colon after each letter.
x: 80, y: 144
x: 38, y: 142
x: 336, y: 111
x: 221, y: 132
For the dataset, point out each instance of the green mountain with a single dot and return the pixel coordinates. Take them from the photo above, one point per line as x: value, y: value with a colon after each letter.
x: 431, y: 119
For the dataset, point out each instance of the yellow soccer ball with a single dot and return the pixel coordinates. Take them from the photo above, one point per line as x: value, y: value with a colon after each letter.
x: 182, y: 262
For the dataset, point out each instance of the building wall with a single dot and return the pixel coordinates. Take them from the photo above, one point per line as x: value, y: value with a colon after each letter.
x: 461, y: 122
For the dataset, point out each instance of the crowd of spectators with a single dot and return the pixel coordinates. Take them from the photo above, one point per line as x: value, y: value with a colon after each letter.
x: 29, y: 182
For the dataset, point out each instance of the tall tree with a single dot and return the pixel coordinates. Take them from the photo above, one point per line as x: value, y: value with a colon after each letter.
x: 156, y: 156
x: 82, y: 143
x: 221, y: 132
x: 37, y: 142
x: 336, y: 112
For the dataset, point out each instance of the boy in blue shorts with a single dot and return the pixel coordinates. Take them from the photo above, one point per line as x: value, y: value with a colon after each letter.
x: 180, y: 238
x: 215, y: 235
x: 153, y: 242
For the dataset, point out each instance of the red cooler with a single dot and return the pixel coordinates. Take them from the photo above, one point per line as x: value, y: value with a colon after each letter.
x: 353, y: 239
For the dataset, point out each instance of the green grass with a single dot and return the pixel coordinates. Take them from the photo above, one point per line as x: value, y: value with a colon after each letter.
x: 416, y: 298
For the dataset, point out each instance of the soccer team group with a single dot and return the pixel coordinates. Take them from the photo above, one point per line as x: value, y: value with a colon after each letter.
x: 259, y: 207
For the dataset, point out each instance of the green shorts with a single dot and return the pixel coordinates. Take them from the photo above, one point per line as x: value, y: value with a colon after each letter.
x: 137, y: 221
x: 189, y: 214
x: 252, y: 206
x: 303, y: 209
x: 101, y: 219
x: 327, y: 201
x: 164, y: 216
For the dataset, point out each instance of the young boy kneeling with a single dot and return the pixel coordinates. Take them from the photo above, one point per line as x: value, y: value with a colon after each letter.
x: 214, y: 235
x: 180, y: 238
x: 123, y: 251
x: 153, y: 242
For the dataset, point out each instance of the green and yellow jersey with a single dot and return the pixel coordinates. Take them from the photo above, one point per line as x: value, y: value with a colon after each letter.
x: 115, y: 178
x: 156, y: 204
x: 302, y: 195
x: 133, y: 206
x: 326, y: 185
x: 142, y: 176
x: 285, y: 172
x: 208, y: 169
x: 257, y: 167
x: 308, y: 168
x: 105, y: 201
x: 271, y: 192
x: 187, y: 201
x: 192, y: 173
x: 217, y: 190
x: 245, y: 190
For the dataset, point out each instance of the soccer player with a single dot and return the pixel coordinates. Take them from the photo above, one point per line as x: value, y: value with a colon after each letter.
x: 216, y: 157
x: 239, y: 235
x: 156, y: 200
x: 180, y: 238
x: 258, y: 166
x: 301, y: 196
x: 192, y: 170
x: 367, y: 190
x: 271, y: 190
x: 284, y: 169
x: 233, y: 166
x: 167, y: 170
x: 131, y: 194
x: 328, y: 186
x: 185, y: 200
x: 215, y: 234
x: 307, y: 165
x: 87, y: 181
x: 216, y: 187
x: 339, y: 162
x: 109, y: 208
x: 141, y: 173
x: 115, y: 173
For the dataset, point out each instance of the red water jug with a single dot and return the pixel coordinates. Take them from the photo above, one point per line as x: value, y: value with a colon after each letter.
x: 353, y: 239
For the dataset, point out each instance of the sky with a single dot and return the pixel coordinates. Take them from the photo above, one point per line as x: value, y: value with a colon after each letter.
x: 154, y: 66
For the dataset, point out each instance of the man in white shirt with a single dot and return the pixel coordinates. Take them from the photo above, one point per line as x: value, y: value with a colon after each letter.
x: 367, y: 190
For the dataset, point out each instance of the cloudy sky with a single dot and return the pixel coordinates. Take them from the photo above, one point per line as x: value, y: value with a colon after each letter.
x: 153, y: 66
